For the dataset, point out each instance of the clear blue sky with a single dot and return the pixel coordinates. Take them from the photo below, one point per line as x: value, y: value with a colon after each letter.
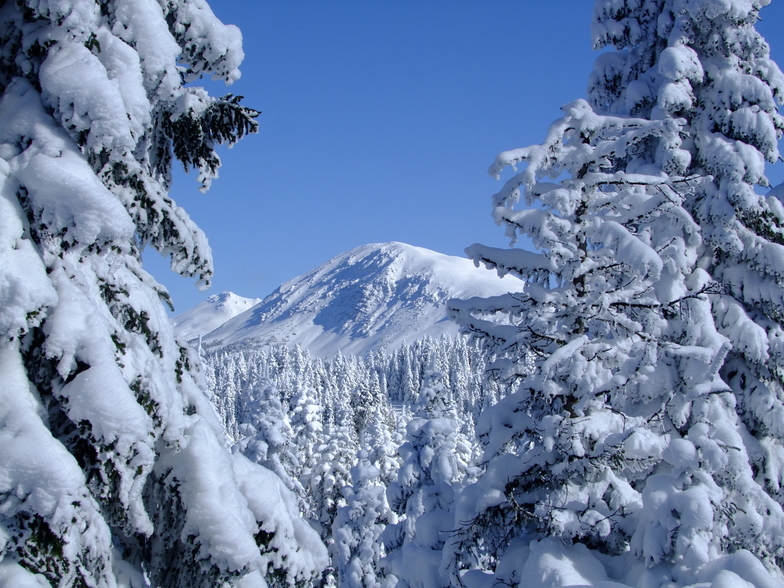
x: 379, y: 121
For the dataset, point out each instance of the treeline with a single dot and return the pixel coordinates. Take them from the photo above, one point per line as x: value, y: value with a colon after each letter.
x: 354, y: 384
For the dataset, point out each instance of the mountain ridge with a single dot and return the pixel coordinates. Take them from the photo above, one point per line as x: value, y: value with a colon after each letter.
x: 375, y: 296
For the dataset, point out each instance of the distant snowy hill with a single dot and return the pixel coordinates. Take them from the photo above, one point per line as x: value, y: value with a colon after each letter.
x: 374, y: 296
x: 211, y: 314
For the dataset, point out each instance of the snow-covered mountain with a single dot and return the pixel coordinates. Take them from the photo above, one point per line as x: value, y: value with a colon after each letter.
x: 374, y: 296
x: 211, y: 314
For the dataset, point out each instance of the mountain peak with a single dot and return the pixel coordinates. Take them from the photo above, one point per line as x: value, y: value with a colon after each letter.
x: 210, y: 314
x: 229, y: 300
x: 375, y: 296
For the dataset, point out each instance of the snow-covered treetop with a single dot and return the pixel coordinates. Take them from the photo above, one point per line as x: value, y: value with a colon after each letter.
x: 700, y: 61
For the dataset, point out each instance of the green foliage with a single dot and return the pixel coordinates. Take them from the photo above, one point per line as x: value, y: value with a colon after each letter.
x: 194, y: 135
x: 41, y: 551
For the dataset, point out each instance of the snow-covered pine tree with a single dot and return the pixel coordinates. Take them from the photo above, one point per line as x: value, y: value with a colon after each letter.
x: 113, y: 469
x: 224, y: 372
x: 265, y: 433
x: 327, y: 473
x: 329, y: 468
x: 366, y: 398
x: 356, y: 548
x: 307, y: 425
x: 435, y: 460
x: 377, y: 441
x: 406, y: 386
x: 650, y: 426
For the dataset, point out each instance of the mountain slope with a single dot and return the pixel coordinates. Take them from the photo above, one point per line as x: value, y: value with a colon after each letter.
x: 211, y: 314
x: 374, y: 296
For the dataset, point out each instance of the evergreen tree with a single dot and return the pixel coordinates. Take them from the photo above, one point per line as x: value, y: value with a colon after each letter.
x: 366, y: 398
x: 408, y: 379
x: 113, y: 467
x: 325, y: 477
x: 265, y: 432
x: 306, y: 425
x: 358, y: 526
x: 435, y: 462
x: 378, y: 443
x: 649, y: 428
x: 224, y: 375
x: 329, y: 469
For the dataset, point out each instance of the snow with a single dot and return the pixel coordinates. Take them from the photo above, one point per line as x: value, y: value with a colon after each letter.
x: 113, y: 460
x: 219, y: 45
x: 62, y: 185
x: 75, y: 83
x: 295, y: 543
x: 34, y: 466
x: 552, y: 564
x: 217, y: 513
x: 141, y: 24
x: 741, y: 570
x: 38, y: 475
x: 25, y: 289
x: 652, y: 343
x: 372, y: 297
x: 620, y: 308
x: 211, y: 314
x: 518, y: 261
x: 78, y: 334
x: 60, y: 182
x: 12, y: 575
x: 679, y: 62
x: 675, y: 97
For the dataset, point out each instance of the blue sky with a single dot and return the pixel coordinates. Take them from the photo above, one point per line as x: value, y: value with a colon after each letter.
x: 379, y: 121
